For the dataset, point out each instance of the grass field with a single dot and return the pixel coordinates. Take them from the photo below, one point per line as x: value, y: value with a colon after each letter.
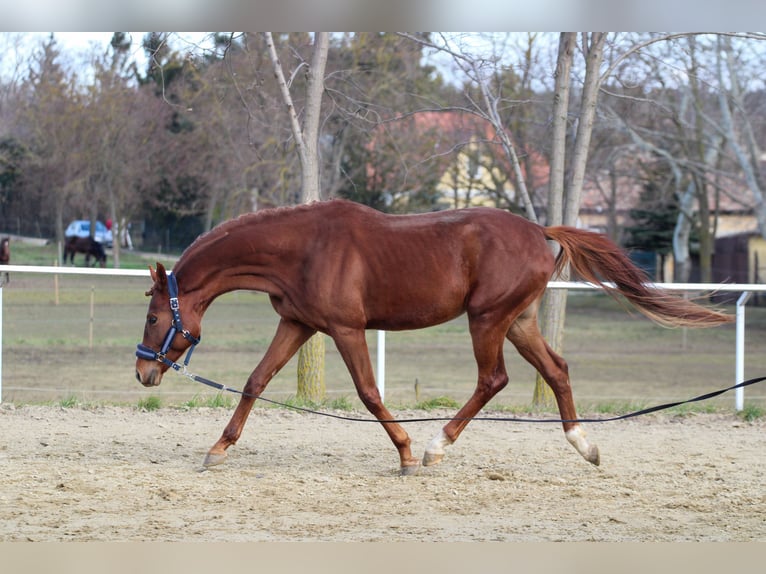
x: 32, y: 254
x: 617, y: 361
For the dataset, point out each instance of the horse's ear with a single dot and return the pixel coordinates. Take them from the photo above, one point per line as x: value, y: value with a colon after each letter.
x: 160, y: 276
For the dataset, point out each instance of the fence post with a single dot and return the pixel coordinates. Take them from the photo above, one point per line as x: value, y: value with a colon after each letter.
x: 1, y: 340
x: 92, y: 312
x: 381, y: 375
x: 739, y: 368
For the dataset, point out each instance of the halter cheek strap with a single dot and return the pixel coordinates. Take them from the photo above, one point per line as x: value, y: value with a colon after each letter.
x: 176, y: 326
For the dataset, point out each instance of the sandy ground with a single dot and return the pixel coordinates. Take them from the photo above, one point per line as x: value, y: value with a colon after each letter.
x: 117, y: 474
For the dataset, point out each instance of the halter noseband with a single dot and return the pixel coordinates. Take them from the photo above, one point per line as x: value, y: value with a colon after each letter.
x: 144, y: 352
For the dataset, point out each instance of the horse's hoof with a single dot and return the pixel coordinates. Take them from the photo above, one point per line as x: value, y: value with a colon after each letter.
x: 410, y: 469
x: 214, y: 459
x: 576, y: 437
x: 431, y: 458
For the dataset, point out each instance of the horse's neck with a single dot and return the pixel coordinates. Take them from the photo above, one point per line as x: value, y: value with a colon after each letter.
x: 243, y: 259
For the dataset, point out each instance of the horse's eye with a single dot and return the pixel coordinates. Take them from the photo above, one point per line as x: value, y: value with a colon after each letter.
x: 151, y: 319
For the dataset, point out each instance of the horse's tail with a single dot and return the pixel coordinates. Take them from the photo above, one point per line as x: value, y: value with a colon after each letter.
x: 598, y: 260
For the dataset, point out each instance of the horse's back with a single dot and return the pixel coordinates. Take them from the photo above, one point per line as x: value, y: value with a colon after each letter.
x: 459, y: 240
x: 85, y: 245
x: 407, y: 271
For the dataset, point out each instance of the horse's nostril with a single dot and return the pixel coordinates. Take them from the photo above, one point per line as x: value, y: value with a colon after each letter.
x: 138, y: 376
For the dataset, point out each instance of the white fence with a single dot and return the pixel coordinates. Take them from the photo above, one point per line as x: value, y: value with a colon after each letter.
x: 745, y: 290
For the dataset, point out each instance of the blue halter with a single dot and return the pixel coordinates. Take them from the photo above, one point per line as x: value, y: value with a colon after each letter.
x: 144, y: 352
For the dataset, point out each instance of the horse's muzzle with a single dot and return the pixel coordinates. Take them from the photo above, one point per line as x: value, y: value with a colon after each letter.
x: 151, y: 378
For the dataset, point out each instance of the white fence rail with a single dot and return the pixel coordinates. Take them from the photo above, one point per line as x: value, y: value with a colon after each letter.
x: 744, y: 289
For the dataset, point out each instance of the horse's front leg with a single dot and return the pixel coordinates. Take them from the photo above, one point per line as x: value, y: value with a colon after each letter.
x: 352, y: 346
x: 287, y: 340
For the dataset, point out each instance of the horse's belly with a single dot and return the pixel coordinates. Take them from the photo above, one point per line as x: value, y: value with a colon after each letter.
x: 409, y: 308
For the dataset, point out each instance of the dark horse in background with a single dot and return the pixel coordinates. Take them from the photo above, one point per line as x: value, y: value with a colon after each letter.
x: 87, y: 245
x: 340, y: 268
x: 5, y: 258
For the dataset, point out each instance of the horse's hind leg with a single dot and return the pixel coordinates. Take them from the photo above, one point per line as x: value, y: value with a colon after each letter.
x: 352, y: 346
x: 526, y: 337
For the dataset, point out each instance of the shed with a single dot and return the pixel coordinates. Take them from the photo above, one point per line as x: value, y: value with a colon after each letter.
x: 740, y: 258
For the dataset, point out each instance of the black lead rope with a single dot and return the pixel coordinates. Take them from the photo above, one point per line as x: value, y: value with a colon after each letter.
x: 645, y: 411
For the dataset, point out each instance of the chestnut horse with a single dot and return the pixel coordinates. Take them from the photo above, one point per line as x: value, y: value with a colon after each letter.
x: 339, y: 268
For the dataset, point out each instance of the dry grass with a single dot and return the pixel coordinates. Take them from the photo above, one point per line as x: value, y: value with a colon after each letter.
x: 615, y: 359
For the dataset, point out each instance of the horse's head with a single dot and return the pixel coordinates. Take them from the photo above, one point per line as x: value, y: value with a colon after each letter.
x: 166, y: 337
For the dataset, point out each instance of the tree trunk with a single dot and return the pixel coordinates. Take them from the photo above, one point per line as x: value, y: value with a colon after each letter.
x: 555, y: 300
x: 315, y: 89
x: 311, y: 383
x: 748, y: 154
x: 681, y: 233
x: 565, y: 208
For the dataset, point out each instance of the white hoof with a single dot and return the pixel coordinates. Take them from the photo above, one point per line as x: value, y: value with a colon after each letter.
x: 435, y: 449
x: 576, y: 437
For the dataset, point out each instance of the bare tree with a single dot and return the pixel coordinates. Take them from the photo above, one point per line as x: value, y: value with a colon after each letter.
x: 125, y: 128
x: 553, y: 312
x: 564, y: 195
x: 743, y: 140
x: 685, y: 119
x: 567, y: 157
x: 480, y: 72
x: 311, y: 385
x: 54, y: 115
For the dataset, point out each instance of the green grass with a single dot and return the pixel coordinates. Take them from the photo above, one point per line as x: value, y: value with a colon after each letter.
x: 438, y: 403
x: 150, y: 403
x: 217, y: 401
x: 752, y: 412
x: 617, y: 407
x: 30, y: 254
x: 341, y: 404
x: 69, y: 402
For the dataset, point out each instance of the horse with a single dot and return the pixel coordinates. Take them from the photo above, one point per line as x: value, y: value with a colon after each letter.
x: 88, y: 246
x: 5, y: 257
x: 339, y: 268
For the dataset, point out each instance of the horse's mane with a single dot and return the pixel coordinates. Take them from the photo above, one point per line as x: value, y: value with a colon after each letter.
x: 246, y: 219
